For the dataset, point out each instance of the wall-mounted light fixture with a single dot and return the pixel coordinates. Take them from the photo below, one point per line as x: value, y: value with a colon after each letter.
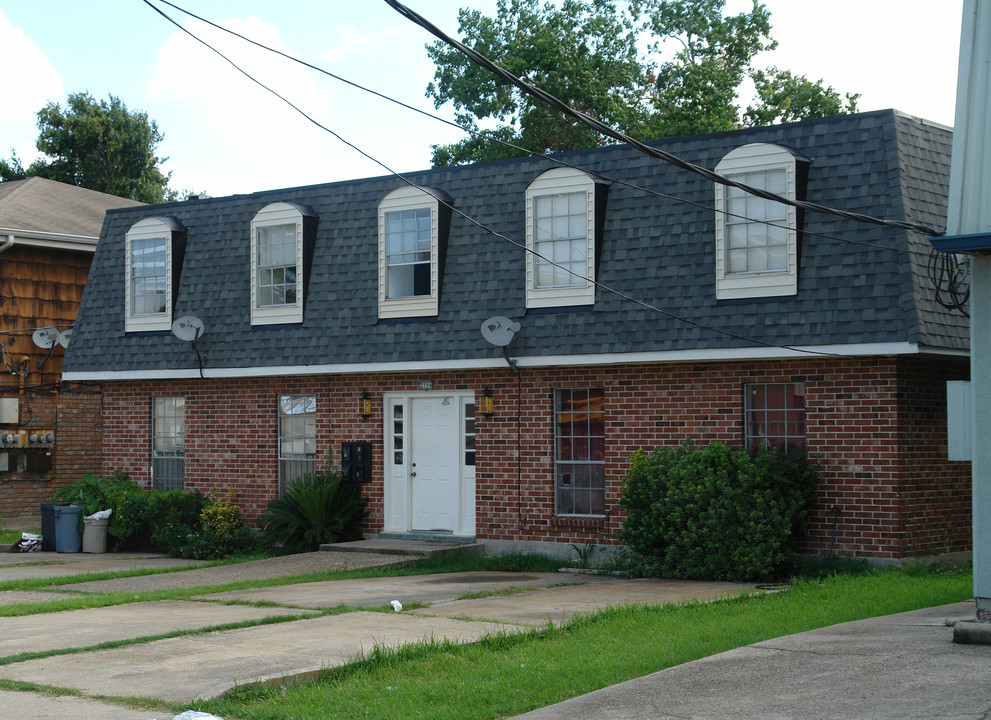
x: 365, y: 404
x: 487, y: 403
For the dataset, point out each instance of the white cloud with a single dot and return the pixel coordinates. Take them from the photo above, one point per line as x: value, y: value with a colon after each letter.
x: 230, y: 122
x: 30, y: 85
x: 355, y: 44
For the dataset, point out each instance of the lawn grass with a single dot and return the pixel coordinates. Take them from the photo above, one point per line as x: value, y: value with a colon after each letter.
x: 9, y: 537
x: 511, y: 674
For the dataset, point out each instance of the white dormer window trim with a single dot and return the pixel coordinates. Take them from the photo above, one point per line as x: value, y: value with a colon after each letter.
x: 556, y: 198
x: 407, y: 205
x: 276, y: 282
x: 773, y: 271
x: 154, y: 236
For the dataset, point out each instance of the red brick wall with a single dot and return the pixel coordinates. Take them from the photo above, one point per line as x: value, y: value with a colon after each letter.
x: 74, y: 417
x: 935, y: 494
x: 857, y: 416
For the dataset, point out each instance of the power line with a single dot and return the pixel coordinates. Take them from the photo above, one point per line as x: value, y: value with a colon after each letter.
x: 519, y: 148
x: 581, y: 117
x: 475, y: 222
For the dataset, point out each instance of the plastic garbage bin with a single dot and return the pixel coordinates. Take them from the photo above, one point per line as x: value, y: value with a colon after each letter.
x: 48, y: 525
x: 67, y: 536
x: 95, y: 534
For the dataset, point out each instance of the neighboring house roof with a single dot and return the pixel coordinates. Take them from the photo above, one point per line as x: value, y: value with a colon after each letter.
x: 862, y: 289
x: 37, y: 211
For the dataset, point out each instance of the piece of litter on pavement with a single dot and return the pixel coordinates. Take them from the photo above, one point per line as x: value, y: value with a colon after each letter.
x: 196, y: 715
x: 396, y: 605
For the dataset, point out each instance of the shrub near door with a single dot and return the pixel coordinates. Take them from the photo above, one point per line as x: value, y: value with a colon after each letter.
x: 716, y: 513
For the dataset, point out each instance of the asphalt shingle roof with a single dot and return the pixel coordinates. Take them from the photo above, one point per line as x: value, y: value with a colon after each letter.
x: 660, y: 250
x: 41, y: 205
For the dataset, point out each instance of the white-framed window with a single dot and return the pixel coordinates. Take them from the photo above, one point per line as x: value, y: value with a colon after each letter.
x: 297, y: 438
x: 148, y: 275
x: 168, y: 442
x: 775, y: 415
x: 579, y: 451
x: 277, y: 265
x: 756, y: 239
x: 560, y: 239
x: 411, y: 240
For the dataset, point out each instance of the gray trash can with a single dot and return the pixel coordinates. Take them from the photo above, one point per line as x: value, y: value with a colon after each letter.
x: 95, y: 534
x: 48, y: 525
x: 67, y: 536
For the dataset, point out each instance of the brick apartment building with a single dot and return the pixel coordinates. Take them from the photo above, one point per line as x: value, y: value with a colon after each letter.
x: 342, y: 323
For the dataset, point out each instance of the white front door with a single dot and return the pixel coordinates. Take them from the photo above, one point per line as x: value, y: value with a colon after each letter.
x: 434, y: 464
x: 430, y: 463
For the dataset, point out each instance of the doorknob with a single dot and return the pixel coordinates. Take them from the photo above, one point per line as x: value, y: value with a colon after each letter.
x: 413, y: 474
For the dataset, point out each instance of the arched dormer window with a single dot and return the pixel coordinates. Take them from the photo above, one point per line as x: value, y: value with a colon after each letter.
x: 154, y: 248
x: 282, y: 238
x: 564, y: 214
x: 757, y: 239
x: 413, y: 227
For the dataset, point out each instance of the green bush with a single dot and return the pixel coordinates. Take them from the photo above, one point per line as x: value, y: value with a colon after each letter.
x: 183, y: 523
x: 716, y: 513
x: 95, y: 492
x: 166, y: 511
x: 315, y: 509
x: 131, y: 523
x: 217, y: 531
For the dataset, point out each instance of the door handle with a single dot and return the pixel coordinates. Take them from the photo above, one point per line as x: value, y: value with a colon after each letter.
x: 413, y: 474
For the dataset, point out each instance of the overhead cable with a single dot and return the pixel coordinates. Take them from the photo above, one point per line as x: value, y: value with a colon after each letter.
x: 563, y: 107
x: 473, y: 221
x: 505, y: 143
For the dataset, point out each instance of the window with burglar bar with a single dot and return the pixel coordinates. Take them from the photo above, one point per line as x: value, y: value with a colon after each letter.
x: 297, y: 438
x: 168, y: 443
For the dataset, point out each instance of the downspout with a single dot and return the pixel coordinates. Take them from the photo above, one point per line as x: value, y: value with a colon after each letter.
x: 7, y: 244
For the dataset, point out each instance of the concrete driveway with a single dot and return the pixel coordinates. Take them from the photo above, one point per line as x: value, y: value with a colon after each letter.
x: 460, y: 607
x: 903, y: 666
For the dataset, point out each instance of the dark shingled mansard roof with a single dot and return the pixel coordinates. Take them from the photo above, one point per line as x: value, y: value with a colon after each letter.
x: 654, y: 249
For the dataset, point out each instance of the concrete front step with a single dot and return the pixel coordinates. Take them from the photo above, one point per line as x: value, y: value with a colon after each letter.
x: 413, y: 546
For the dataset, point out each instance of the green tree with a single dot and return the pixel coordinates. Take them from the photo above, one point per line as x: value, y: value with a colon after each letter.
x: 695, y: 91
x: 586, y: 54
x: 784, y: 97
x: 100, y: 145
x: 12, y: 169
x: 583, y: 53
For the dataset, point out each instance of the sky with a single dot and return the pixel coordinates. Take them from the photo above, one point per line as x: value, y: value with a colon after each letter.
x: 224, y: 135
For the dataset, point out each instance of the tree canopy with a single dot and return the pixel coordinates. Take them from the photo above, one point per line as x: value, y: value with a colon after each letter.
x: 614, y: 65
x: 100, y: 145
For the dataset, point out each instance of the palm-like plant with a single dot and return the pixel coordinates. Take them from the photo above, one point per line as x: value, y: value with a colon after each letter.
x: 315, y: 509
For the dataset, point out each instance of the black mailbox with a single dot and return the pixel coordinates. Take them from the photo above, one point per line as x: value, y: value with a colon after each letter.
x: 356, y: 461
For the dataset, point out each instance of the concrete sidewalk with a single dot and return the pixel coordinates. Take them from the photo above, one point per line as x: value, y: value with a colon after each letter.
x: 899, y: 667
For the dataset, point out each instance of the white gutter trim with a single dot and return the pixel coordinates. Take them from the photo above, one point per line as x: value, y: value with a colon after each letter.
x: 7, y: 244
x: 710, y: 355
x: 61, y: 241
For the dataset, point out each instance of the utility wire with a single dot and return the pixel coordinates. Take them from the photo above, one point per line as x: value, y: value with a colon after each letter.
x: 519, y: 148
x: 475, y: 222
x: 581, y: 117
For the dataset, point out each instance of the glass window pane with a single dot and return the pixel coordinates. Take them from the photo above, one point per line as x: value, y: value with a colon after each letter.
x: 580, y: 451
x: 756, y: 225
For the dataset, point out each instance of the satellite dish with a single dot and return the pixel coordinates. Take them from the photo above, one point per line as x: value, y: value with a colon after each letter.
x: 64, y: 337
x: 45, y: 337
x: 188, y: 328
x: 499, y: 330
